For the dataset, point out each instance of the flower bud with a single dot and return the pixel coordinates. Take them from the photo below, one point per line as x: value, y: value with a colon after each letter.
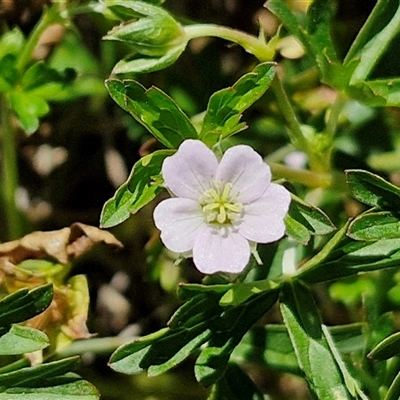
x: 151, y: 30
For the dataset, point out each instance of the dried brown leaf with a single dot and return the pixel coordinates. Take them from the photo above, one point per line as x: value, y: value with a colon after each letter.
x: 63, y: 245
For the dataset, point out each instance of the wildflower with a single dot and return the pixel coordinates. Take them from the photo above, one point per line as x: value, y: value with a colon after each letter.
x: 220, y: 210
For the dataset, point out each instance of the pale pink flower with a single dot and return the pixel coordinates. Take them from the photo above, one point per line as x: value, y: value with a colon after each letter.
x: 220, y: 210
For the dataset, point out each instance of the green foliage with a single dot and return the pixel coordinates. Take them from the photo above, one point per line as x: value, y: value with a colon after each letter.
x: 28, y: 90
x: 154, y: 110
x: 49, y: 380
x: 225, y: 108
x: 304, y: 220
x: 142, y: 186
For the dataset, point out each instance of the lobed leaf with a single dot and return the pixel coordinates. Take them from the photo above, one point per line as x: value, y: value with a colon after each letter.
x: 142, y: 186
x: 225, y: 107
x: 155, y: 110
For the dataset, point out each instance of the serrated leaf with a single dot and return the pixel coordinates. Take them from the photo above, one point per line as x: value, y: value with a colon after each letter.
x: 371, y: 189
x: 313, y: 353
x: 375, y: 226
x: 155, y: 110
x: 304, y: 220
x: 24, y: 304
x: 225, y: 107
x: 140, y: 188
x: 22, y: 339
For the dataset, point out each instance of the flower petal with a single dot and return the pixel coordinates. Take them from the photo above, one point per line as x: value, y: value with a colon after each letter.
x: 263, y: 219
x: 190, y: 171
x: 179, y: 221
x: 220, y: 250
x: 246, y: 170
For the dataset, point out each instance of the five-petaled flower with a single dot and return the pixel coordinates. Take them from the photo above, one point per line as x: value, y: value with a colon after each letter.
x: 220, y: 210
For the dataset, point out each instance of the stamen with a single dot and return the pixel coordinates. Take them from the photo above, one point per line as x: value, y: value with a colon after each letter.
x: 219, y: 206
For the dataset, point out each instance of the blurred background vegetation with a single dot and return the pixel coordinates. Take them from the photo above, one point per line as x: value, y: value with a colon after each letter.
x: 86, y: 146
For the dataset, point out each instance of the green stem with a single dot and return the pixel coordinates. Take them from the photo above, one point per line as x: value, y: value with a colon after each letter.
x: 9, y: 172
x: 50, y: 16
x: 304, y: 177
x: 251, y: 44
x: 333, y: 119
x: 104, y: 345
x: 295, y: 133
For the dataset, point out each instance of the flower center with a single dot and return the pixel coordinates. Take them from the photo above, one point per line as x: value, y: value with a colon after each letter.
x: 218, y: 205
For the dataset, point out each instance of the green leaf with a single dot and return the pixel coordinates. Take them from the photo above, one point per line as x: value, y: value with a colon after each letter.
x: 270, y: 346
x: 140, y: 65
x: 24, y: 304
x: 387, y: 348
x: 304, y: 220
x: 154, y: 110
x: 375, y: 226
x: 320, y: 41
x: 372, y: 51
x: 12, y: 42
x: 310, y: 345
x: 393, y: 392
x: 40, y: 74
x: 352, y: 385
x: 377, y: 92
x: 29, y: 108
x: 33, y: 376
x: 226, y: 106
x: 239, y: 293
x: 142, y: 186
x: 314, y: 33
x: 197, y: 321
x: 227, y: 332
x: 235, y: 385
x: 350, y: 258
x: 376, y: 21
x: 22, y: 339
x: 371, y: 189
x: 68, y: 387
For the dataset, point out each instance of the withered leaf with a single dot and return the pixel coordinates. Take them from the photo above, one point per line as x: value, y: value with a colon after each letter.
x: 63, y: 245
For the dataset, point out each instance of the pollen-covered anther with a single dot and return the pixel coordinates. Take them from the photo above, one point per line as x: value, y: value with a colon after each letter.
x: 218, y: 205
